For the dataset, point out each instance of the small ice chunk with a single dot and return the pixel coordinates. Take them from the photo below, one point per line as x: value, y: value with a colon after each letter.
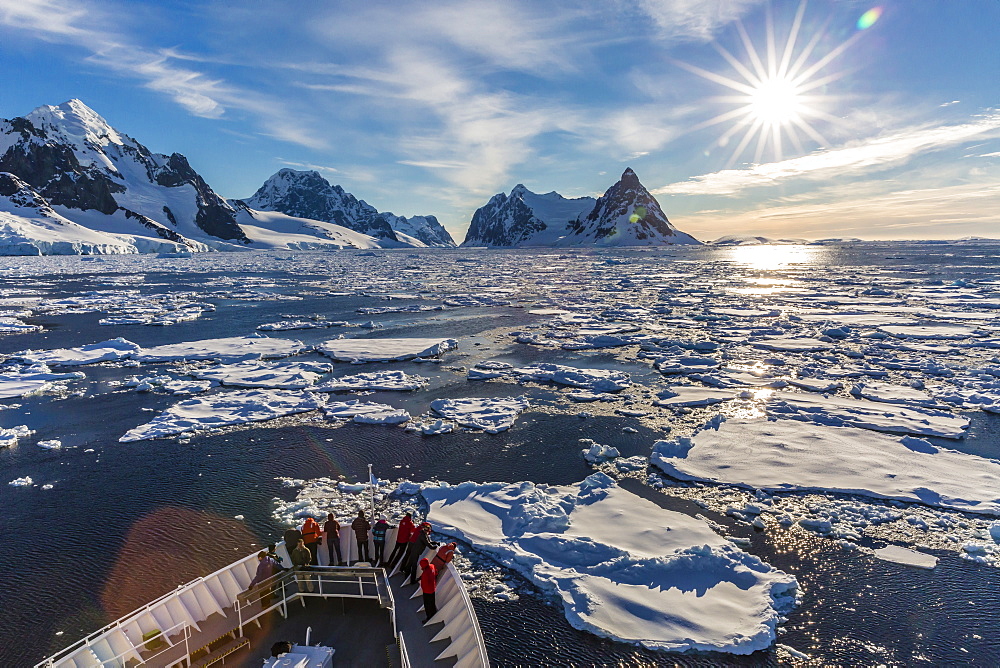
x: 26, y: 481
x: 50, y: 445
x: 907, y: 557
x: 492, y: 415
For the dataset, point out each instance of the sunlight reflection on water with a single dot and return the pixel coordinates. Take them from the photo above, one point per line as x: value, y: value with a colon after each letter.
x: 769, y: 258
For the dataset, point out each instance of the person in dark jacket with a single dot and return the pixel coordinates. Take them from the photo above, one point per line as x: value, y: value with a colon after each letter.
x: 332, y: 529
x: 301, y: 560
x: 402, y: 539
x: 292, y: 538
x: 428, y: 586
x: 378, y: 535
x: 361, y: 528
x: 419, y: 543
x: 313, y: 537
x: 266, y: 567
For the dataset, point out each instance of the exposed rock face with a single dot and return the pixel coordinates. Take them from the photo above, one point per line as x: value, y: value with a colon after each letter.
x: 74, y: 159
x: 626, y: 215
x: 524, y: 218
x: 306, y: 194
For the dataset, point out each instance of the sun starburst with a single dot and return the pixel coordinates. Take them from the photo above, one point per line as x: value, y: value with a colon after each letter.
x: 776, y: 91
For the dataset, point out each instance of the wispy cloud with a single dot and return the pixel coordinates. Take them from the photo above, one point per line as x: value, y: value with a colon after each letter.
x: 83, y: 24
x: 697, y: 19
x: 871, y: 155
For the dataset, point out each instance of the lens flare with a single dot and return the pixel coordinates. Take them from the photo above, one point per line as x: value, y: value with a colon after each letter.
x: 869, y: 18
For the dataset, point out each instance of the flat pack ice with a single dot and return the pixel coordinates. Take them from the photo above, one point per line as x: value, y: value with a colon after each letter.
x: 793, y: 455
x: 492, y: 415
x: 623, y: 567
x: 384, y: 350
x: 224, y: 409
x: 226, y: 349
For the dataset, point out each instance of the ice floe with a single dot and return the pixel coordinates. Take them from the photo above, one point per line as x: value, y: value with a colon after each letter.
x: 596, y: 380
x: 384, y: 350
x: 623, y: 567
x: 492, y: 415
x: 366, y: 412
x: 792, y: 455
x: 227, y: 408
x: 377, y: 380
x: 9, y: 436
x: 283, y: 375
x: 907, y: 557
x: 92, y: 353
x: 34, y: 379
x: 875, y: 415
x: 226, y: 349
x: 26, y: 481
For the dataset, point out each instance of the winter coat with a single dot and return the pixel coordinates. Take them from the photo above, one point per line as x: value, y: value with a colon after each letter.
x: 418, y: 545
x: 428, y: 577
x: 405, y: 531
x: 266, y: 567
x: 301, y: 556
x: 310, y: 532
x: 361, y: 528
x: 332, y: 529
x: 444, y: 555
x: 378, y: 531
x: 292, y: 537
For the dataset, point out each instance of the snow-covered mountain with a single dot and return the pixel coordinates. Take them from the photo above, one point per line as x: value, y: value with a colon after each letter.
x: 106, y: 181
x: 77, y: 185
x: 626, y: 215
x: 306, y: 194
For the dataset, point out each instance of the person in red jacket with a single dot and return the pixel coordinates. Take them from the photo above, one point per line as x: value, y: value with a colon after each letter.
x: 443, y: 557
x: 312, y: 536
x: 428, y: 585
x: 402, y: 538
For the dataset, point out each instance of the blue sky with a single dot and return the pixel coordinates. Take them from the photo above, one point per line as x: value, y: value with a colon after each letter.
x: 888, y: 131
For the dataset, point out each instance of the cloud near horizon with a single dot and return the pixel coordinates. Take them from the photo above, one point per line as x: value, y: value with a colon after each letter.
x: 858, y: 158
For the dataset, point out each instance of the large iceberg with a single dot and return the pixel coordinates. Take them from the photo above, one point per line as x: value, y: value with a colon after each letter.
x: 623, y: 567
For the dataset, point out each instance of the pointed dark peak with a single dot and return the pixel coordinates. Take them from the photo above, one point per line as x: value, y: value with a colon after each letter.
x: 629, y: 179
x: 518, y: 190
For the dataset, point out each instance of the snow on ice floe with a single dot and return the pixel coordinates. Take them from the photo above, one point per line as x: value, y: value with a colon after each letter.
x: 34, y: 379
x: 112, y: 350
x: 679, y: 396
x: 492, y: 415
x: 907, y: 557
x: 879, y: 416
x: 595, y: 380
x: 893, y: 394
x: 12, y: 325
x: 167, y: 384
x: 250, y: 373
x: 26, y: 481
x: 366, y: 412
x: 945, y: 332
x: 228, y: 408
x: 287, y: 325
x: 9, y: 436
x: 793, y: 455
x: 623, y: 567
x: 795, y: 345
x: 225, y: 349
x: 377, y: 380
x: 384, y: 350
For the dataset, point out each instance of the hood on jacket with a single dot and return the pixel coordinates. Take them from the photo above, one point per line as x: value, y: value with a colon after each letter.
x: 424, y: 563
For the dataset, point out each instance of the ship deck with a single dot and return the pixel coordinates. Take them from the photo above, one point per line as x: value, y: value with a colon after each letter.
x: 359, y: 629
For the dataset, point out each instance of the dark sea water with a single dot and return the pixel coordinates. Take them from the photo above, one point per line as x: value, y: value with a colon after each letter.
x: 125, y: 522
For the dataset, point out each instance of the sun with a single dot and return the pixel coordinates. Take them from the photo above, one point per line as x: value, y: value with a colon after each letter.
x: 777, y: 101
x: 777, y: 90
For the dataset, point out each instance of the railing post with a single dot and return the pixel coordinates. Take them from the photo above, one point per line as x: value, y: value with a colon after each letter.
x: 239, y: 614
x: 284, y: 601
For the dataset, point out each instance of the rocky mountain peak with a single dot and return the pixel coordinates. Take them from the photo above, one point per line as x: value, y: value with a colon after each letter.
x: 629, y: 179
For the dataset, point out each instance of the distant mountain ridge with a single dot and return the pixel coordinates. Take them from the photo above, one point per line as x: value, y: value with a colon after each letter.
x: 74, y: 184
x: 626, y: 215
x: 306, y: 194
